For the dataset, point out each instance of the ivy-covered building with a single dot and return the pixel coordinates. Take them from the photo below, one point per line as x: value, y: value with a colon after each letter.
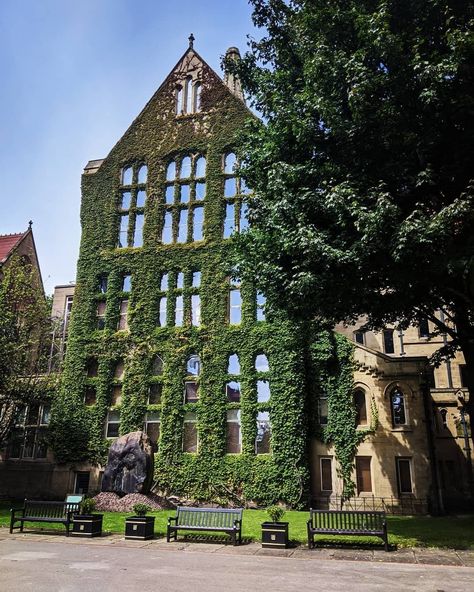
x: 242, y: 407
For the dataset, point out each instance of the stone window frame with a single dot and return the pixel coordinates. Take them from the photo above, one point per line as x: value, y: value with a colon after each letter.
x: 187, y: 97
x: 236, y: 199
x: 189, y: 292
x: 321, y: 480
x: 409, y: 460
x: 115, y: 422
x: 23, y: 428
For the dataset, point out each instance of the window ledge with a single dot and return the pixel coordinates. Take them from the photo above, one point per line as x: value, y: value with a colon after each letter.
x: 406, y: 428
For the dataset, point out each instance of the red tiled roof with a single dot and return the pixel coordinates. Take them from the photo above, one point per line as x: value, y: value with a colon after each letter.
x: 7, y: 243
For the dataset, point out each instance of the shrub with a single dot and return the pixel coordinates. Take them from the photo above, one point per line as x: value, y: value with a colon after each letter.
x: 276, y: 513
x: 141, y: 509
x: 88, y: 505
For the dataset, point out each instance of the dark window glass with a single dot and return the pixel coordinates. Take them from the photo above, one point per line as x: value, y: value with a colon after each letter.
x: 359, y: 337
x: 360, y: 407
x: 398, y: 407
x: 323, y: 410
x: 157, y: 368
x: 190, y: 436
x: 423, y: 328
x: 233, y: 392
x: 404, y: 475
x: 326, y: 474
x: 103, y: 284
x: 82, y: 482
x: 233, y: 434
x: 154, y: 396
x: 388, y: 344
x: 364, y: 479
x: 90, y: 396
x: 262, y: 442
x: 463, y: 374
x: 116, y: 395
x: 92, y: 368
x: 191, y: 392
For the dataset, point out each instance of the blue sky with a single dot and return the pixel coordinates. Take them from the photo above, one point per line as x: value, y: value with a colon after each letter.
x: 74, y: 76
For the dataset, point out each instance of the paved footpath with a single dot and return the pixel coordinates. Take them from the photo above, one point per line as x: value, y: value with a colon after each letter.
x: 54, y: 563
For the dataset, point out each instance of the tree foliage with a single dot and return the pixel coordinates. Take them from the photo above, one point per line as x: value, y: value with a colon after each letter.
x: 24, y: 340
x: 363, y: 168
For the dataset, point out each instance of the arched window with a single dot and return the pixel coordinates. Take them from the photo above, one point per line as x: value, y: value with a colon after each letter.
x: 444, y: 418
x: 127, y: 175
x: 197, y: 97
x: 179, y: 100
x: 142, y: 173
x: 261, y: 363
x: 229, y: 163
x: 397, y: 402
x: 188, y: 95
x: 193, y: 365
x: 360, y: 407
x: 171, y: 171
x: 233, y: 365
x: 200, y: 167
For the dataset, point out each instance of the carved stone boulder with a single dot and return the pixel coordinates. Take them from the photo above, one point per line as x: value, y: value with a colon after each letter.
x: 129, y: 465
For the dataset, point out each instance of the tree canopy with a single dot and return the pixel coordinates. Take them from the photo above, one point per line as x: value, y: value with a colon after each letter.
x: 25, y: 328
x: 363, y: 167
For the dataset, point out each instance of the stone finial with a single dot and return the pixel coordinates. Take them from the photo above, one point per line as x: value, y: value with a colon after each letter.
x: 231, y: 80
x: 191, y: 39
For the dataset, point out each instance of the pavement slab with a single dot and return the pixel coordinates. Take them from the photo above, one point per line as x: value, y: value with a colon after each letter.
x: 436, y: 557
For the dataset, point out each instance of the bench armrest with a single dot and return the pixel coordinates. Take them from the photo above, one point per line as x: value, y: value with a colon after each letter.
x: 172, y: 519
x: 238, y: 523
x: 14, y: 511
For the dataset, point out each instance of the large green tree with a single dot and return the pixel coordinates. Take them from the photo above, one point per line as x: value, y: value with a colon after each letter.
x: 363, y: 166
x: 25, y: 338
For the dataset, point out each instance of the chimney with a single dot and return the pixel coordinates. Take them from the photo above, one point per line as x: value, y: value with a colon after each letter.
x: 232, y: 80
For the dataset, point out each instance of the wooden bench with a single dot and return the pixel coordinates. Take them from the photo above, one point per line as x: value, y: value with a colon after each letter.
x: 206, y: 519
x: 38, y: 511
x: 340, y: 522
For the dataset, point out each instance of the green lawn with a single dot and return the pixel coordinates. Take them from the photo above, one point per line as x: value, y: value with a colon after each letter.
x: 404, y: 531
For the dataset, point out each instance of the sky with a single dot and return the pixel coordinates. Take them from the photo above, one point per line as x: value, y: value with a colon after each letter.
x: 74, y: 75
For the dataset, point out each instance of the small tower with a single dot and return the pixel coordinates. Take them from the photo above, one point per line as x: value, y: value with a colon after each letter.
x: 231, y: 80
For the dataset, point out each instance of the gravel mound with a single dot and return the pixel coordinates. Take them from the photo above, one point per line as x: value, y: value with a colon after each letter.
x: 110, y: 502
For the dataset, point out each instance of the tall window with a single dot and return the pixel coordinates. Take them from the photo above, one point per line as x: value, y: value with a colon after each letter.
x: 101, y: 315
x: 191, y: 383
x: 423, y: 328
x: 235, y: 195
x: 184, y: 192
x: 363, y: 474
x: 235, y: 303
x: 113, y: 424
x: 397, y: 402
x: 261, y: 301
x: 326, y: 474
x: 123, y: 316
x: 156, y: 381
x: 359, y: 337
x: 132, y: 198
x: 262, y: 441
x: 232, y: 387
x: 188, y: 97
x: 179, y: 299
x: 404, y: 479
x: 152, y: 427
x: 190, y: 434
x: 388, y: 343
x: 360, y: 407
x: 323, y: 410
x: 233, y: 432
x: 28, y: 438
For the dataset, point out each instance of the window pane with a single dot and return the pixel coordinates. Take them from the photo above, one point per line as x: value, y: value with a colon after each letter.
x: 229, y: 222
x: 230, y: 187
x: 388, y: 344
x: 244, y: 217
x: 178, y: 319
x: 404, y: 475
x: 233, y: 366
x: 185, y: 167
x: 142, y: 173
x: 198, y: 223
x: 45, y: 415
x: 184, y: 193
x: 360, y: 408
x: 126, y: 283
x: 229, y: 164
x: 200, y: 167
x: 232, y: 390
x: 171, y: 171
x: 398, y: 407
x: 123, y: 233
x: 164, y: 282
x: 119, y: 370
x: 163, y: 303
x: 138, y: 236
x: 103, y: 283
x: 180, y: 281
x: 244, y: 190
x: 154, y: 396
x: 263, y: 391
x: 189, y: 95
x: 127, y: 176
x: 153, y: 431
x: 359, y: 337
x: 196, y: 279
x: 263, y: 433
x: 261, y: 301
x: 41, y: 443
x: 157, y: 367
x: 92, y: 368
x: 200, y: 191
x: 261, y: 363
x: 190, y: 436
x: 323, y: 410
x: 326, y: 474
x: 179, y: 100
x: 113, y: 430
x: 364, y: 479
x: 191, y: 392
x: 196, y: 310
x: 169, y: 194
x: 193, y: 366
x: 235, y: 313
x: 183, y: 226
x: 123, y: 318
x: 141, y: 198
x: 116, y: 395
x: 126, y: 200
x: 168, y: 229
x: 90, y: 396
x: 197, y: 97
x: 233, y: 436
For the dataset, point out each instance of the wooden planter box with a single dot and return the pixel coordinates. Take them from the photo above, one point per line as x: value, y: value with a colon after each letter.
x: 139, y: 527
x: 275, y: 535
x: 87, y: 525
